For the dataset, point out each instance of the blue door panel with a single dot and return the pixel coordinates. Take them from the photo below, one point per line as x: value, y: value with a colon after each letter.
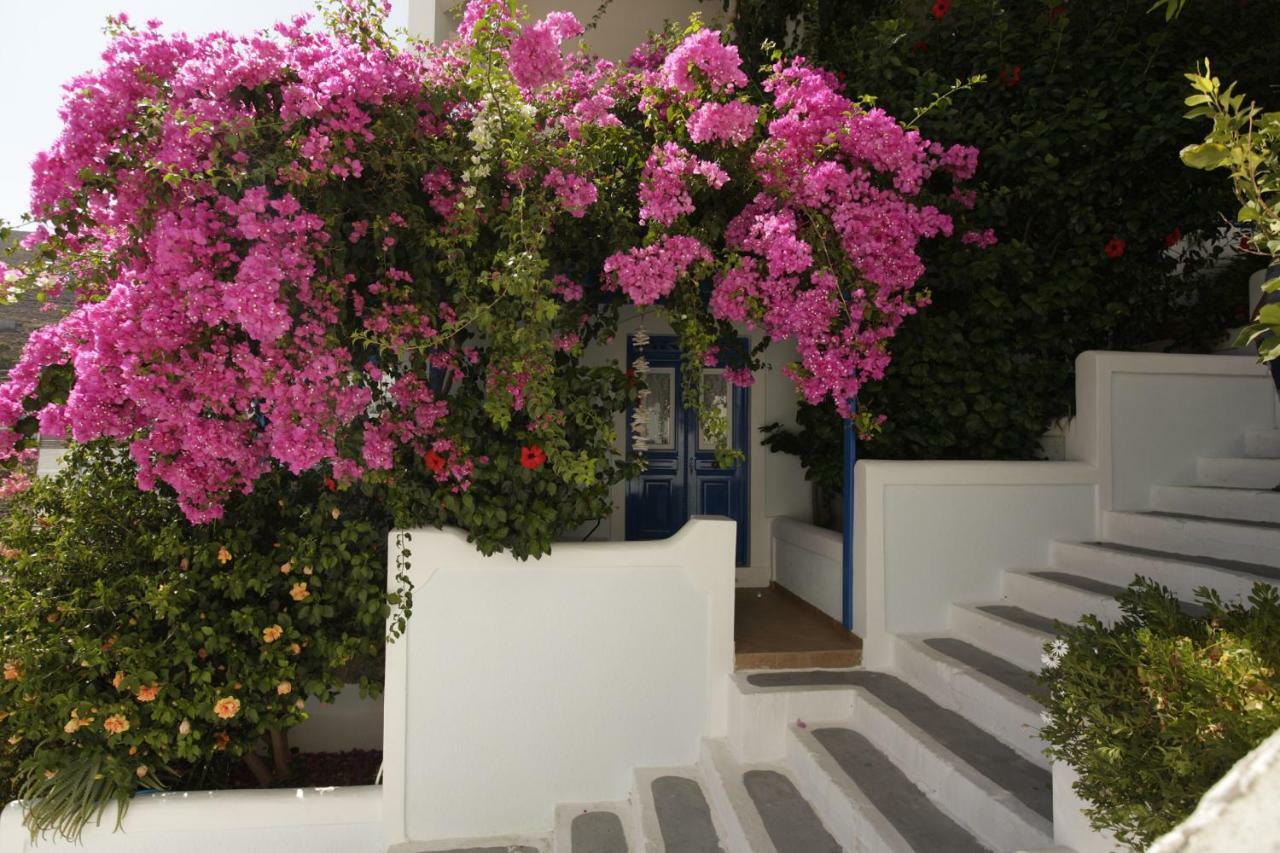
x: 684, y: 480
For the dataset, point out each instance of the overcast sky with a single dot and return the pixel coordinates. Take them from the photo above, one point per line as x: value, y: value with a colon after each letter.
x: 44, y: 43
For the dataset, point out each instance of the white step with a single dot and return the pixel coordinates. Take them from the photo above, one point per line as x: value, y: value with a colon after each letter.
x: 995, y: 707
x: 743, y: 828
x: 1237, y: 504
x: 567, y: 813
x: 1067, y: 599
x: 1182, y: 574
x: 758, y: 716
x: 842, y: 806
x: 1247, y: 542
x: 1238, y: 473
x: 992, y: 813
x: 999, y: 635
x: 647, y: 828
x: 1262, y: 443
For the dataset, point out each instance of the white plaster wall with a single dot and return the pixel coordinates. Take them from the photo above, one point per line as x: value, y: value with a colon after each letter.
x: 302, y: 820
x: 1143, y: 418
x: 623, y: 26
x: 931, y: 533
x: 521, y: 685
x: 808, y: 561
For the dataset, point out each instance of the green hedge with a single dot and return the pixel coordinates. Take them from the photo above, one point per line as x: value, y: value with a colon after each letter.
x: 1080, y: 124
x: 1154, y: 710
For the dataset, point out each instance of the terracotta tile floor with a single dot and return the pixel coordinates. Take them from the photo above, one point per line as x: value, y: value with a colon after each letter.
x: 774, y: 629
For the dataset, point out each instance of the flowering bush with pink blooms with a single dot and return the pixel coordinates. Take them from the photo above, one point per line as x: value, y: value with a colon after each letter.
x: 317, y: 250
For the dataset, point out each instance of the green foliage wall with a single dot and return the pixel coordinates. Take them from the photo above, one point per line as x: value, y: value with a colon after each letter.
x: 1080, y: 124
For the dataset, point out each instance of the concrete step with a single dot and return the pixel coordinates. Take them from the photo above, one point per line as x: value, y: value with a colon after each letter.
x: 1000, y: 797
x: 595, y: 828
x: 1262, y: 443
x: 760, y: 807
x: 878, y: 807
x: 1063, y: 596
x: 1119, y: 564
x: 675, y: 814
x: 997, y: 696
x: 1218, y: 502
x: 1005, y: 630
x: 1238, y: 473
x: 1179, y: 533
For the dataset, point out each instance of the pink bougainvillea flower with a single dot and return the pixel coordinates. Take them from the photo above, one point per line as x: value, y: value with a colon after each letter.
x: 1173, y: 238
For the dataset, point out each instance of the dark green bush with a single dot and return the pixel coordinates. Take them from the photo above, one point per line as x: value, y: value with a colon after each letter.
x: 1080, y: 125
x: 1154, y: 710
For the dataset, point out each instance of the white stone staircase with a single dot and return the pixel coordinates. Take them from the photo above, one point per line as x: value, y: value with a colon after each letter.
x: 937, y: 753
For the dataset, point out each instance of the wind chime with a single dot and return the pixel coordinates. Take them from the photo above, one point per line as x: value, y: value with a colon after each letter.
x: 640, y: 413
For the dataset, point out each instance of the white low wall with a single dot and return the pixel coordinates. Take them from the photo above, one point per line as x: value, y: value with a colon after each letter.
x: 808, y: 561
x: 302, y: 820
x: 932, y: 533
x: 1143, y: 418
x: 522, y: 685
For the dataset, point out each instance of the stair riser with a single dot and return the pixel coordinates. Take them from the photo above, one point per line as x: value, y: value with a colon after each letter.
x: 740, y: 825
x: 1238, y: 473
x: 758, y: 720
x: 990, y: 708
x: 1194, y: 537
x: 1015, y: 643
x: 1237, y: 504
x: 977, y: 804
x: 1059, y: 601
x: 852, y: 821
x: 1262, y: 443
x: 1120, y: 569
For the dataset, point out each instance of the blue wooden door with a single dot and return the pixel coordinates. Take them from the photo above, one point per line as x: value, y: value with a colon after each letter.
x: 681, y: 478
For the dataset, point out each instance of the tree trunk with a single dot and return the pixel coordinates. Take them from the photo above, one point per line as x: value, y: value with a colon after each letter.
x: 258, y: 767
x: 280, y: 754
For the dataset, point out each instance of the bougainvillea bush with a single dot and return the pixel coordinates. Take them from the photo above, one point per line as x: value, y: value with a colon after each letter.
x: 320, y: 249
x: 137, y: 647
x: 1153, y: 710
x: 1102, y: 230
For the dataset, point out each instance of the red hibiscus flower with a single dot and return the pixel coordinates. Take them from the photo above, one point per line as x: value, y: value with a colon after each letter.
x: 330, y: 484
x: 1057, y: 11
x: 1011, y: 76
x: 1115, y: 248
x: 532, y: 457
x: 920, y: 47
x: 434, y: 461
x: 1171, y: 239
x: 940, y: 8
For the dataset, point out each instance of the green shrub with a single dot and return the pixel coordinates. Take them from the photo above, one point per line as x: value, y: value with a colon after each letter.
x: 1155, y: 709
x: 1079, y: 125
x: 136, y: 646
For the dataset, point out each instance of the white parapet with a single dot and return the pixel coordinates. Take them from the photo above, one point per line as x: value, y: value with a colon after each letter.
x: 301, y: 820
x: 521, y: 685
x: 807, y: 560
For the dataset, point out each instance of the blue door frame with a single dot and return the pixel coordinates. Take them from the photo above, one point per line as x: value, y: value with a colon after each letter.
x: 681, y: 477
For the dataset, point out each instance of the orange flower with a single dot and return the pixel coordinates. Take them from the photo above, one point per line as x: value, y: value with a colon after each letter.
x: 224, y: 556
x: 286, y: 568
x: 299, y: 592
x: 184, y: 727
x: 11, y: 671
x: 118, y: 680
x: 220, y: 740
x: 284, y: 688
x: 295, y: 649
x: 142, y: 771
x: 226, y: 707
x: 148, y: 692
x: 76, y: 722
x: 270, y: 635
x: 335, y: 512
x: 116, y: 724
